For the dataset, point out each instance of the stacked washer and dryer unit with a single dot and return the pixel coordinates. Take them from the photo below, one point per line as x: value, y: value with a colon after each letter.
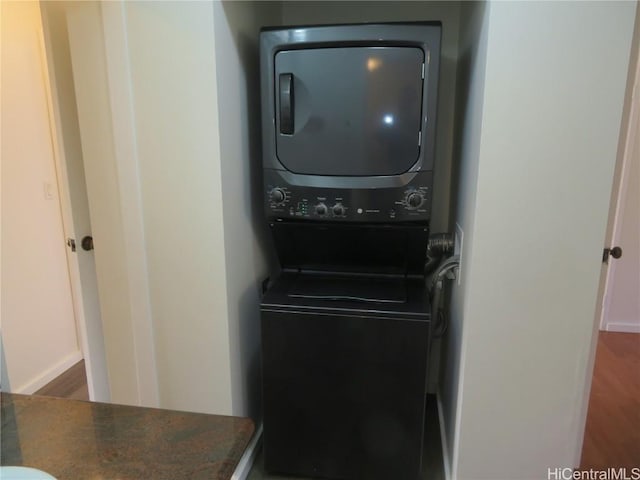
x: 349, y: 127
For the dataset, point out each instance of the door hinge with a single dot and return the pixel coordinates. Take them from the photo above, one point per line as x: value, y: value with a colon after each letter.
x: 71, y: 243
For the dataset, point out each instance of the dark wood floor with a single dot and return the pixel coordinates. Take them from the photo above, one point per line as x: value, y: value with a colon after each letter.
x: 71, y: 384
x: 612, y: 436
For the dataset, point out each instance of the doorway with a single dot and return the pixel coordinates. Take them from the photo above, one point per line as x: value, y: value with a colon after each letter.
x: 40, y: 334
x: 612, y: 430
x: 51, y: 310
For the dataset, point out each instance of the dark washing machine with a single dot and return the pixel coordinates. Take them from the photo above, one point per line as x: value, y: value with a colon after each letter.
x: 345, y: 354
x: 345, y: 364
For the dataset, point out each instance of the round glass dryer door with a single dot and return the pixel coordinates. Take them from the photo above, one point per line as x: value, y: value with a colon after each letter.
x: 351, y: 111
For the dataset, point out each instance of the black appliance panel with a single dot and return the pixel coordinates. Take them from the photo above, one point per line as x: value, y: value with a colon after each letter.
x: 344, y: 384
x: 350, y: 111
x: 375, y: 290
x: 351, y: 248
x: 386, y: 200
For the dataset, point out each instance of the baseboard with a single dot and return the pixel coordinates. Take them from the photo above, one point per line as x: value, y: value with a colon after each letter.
x: 249, y: 456
x: 443, y: 437
x: 45, y: 377
x: 623, y: 327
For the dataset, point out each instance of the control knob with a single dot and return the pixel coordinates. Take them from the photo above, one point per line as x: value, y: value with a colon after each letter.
x: 414, y: 199
x: 338, y: 210
x: 321, y: 209
x: 278, y: 195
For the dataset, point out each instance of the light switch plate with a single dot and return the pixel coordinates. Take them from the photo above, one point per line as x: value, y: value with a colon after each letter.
x: 457, y: 248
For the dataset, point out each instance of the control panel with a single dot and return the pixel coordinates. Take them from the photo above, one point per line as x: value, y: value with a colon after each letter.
x: 411, y: 202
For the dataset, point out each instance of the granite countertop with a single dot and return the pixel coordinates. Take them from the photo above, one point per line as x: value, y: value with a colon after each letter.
x: 72, y: 440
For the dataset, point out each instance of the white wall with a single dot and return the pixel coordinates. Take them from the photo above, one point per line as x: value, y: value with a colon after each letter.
x: 314, y: 12
x: 193, y: 70
x: 38, y: 326
x: 474, y: 28
x: 175, y: 104
x: 551, y: 110
x: 247, y: 243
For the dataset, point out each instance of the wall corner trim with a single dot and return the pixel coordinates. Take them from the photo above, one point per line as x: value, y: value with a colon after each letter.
x: 249, y: 456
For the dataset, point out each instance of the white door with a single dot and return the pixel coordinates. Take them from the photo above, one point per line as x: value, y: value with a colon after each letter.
x: 621, y: 303
x: 38, y: 325
x: 72, y: 176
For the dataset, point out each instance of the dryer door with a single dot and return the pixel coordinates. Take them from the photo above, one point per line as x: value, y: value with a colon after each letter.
x: 351, y: 111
